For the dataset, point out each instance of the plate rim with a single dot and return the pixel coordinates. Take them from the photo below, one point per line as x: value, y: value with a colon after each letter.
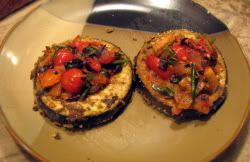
x: 39, y: 157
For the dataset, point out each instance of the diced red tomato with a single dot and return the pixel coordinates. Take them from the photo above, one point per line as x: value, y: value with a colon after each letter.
x: 165, y: 74
x: 153, y: 62
x: 180, y: 69
x: 49, y: 78
x: 63, y: 55
x: 106, y: 57
x: 203, y: 45
x: 195, y: 57
x: 94, y: 64
x: 181, y: 52
x: 80, y: 45
x: 72, y: 80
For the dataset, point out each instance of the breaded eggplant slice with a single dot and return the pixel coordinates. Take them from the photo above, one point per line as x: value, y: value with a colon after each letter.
x: 182, y: 74
x: 96, y: 108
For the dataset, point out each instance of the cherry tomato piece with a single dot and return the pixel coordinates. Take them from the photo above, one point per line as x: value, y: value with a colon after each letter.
x: 63, y: 55
x: 205, y: 46
x: 94, y: 64
x: 165, y: 74
x: 80, y: 45
x: 153, y: 62
x: 181, y: 52
x: 49, y: 78
x: 72, y: 80
x: 106, y: 57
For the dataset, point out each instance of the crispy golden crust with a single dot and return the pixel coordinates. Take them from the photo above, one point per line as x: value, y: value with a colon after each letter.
x: 146, y: 76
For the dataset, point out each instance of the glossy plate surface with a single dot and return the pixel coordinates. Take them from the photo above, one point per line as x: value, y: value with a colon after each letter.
x: 140, y: 133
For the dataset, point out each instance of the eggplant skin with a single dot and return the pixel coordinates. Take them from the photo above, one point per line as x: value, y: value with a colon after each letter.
x: 186, y: 115
x: 84, y: 122
x: 163, y: 107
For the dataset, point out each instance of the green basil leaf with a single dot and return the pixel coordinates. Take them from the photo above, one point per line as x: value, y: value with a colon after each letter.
x: 171, y: 61
x: 89, y: 51
x: 121, y: 61
x: 163, y: 90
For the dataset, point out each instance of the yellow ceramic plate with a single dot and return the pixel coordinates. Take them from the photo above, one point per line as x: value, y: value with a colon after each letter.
x: 139, y: 133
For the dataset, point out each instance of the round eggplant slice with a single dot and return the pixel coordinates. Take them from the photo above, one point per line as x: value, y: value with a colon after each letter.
x: 187, y: 54
x: 92, y: 109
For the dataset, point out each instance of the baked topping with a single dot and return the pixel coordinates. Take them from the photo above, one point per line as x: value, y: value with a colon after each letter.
x: 184, y: 71
x: 73, y: 70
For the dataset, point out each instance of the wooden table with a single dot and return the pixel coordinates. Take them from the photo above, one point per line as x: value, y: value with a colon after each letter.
x: 235, y: 14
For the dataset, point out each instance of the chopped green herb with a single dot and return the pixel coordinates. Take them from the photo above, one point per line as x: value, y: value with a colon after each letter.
x: 90, y: 76
x: 163, y: 90
x: 172, y: 54
x: 54, y: 55
x: 121, y: 61
x: 84, y: 93
x: 193, y: 82
x: 89, y: 51
x: 171, y: 61
x: 212, y: 40
x: 209, y: 42
x: 118, y: 55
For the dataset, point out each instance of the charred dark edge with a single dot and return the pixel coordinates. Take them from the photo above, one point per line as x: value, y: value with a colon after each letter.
x: 86, y: 122
x: 186, y: 115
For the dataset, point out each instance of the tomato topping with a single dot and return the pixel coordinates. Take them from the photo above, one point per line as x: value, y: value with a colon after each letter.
x: 153, y: 62
x: 99, y: 79
x: 165, y: 74
x: 80, y: 45
x: 195, y: 57
x: 204, y: 46
x: 56, y: 90
x: 72, y: 80
x: 181, y: 52
x: 94, y: 64
x: 63, y: 55
x: 49, y: 78
x: 106, y: 57
x: 98, y: 45
x: 60, y: 69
